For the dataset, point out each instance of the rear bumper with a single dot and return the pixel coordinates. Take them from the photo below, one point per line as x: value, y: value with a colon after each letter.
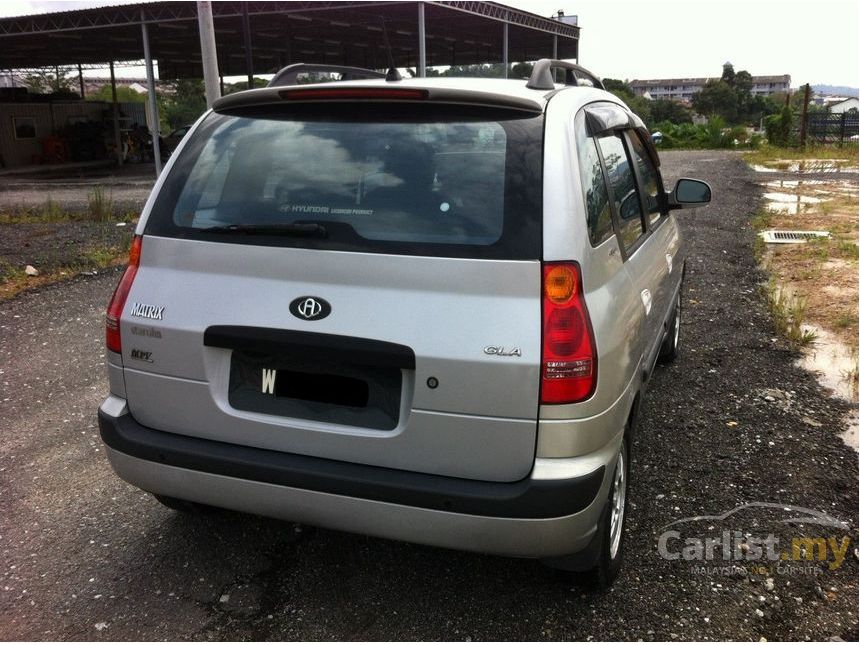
x: 529, y: 518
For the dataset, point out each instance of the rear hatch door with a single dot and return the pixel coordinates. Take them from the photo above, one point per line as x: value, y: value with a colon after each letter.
x: 359, y: 283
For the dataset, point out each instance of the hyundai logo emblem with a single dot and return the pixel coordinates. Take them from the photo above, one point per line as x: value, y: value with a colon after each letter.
x: 310, y: 308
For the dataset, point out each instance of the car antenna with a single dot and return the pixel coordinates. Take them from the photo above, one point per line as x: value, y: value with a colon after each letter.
x: 392, y: 74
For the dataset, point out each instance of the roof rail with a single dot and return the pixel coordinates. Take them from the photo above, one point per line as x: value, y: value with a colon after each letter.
x: 542, y: 77
x: 289, y: 74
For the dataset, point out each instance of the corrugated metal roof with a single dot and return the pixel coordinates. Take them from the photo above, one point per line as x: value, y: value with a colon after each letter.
x: 345, y: 33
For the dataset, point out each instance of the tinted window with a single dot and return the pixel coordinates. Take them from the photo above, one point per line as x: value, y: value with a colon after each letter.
x: 449, y: 186
x: 624, y: 193
x: 650, y: 178
x: 593, y: 186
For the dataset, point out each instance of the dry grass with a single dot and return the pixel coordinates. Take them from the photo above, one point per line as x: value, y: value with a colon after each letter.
x: 768, y: 154
x: 18, y: 283
x: 94, y: 258
x: 823, y: 273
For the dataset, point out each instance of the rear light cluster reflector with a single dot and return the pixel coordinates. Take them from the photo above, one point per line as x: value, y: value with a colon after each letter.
x: 120, y: 295
x: 569, y: 360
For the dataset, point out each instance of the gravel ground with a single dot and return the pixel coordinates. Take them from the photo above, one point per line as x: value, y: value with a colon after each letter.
x: 128, y: 185
x: 52, y: 246
x: 55, y: 245
x: 85, y: 556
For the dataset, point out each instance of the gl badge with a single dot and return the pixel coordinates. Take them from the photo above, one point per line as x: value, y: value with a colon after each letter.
x: 310, y: 308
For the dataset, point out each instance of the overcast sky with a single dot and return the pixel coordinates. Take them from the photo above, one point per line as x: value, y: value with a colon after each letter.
x: 815, y: 41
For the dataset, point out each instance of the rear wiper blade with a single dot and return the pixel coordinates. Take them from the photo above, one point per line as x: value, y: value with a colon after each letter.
x: 294, y: 228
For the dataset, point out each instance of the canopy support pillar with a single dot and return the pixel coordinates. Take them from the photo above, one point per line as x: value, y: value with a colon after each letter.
x: 153, y: 102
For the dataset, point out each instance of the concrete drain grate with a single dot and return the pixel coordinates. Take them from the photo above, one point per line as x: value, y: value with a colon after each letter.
x: 791, y: 237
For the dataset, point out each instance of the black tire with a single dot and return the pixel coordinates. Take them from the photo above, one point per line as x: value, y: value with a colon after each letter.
x: 598, y: 564
x: 669, y: 348
x: 610, y: 532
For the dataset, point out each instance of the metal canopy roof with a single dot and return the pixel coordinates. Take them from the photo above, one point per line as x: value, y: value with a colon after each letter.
x: 346, y: 33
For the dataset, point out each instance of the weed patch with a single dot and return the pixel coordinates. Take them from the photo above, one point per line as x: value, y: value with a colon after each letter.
x: 787, y: 311
x: 100, y: 204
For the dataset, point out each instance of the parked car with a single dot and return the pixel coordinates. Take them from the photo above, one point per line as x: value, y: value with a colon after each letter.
x: 421, y: 309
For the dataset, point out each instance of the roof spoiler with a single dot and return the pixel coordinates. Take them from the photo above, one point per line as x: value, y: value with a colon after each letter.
x: 233, y: 103
x: 542, y: 76
x: 289, y: 74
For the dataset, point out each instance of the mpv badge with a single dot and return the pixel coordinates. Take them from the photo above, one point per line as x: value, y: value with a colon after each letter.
x: 310, y: 308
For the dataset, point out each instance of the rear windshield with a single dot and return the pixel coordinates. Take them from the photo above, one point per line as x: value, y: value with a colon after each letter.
x: 424, y: 180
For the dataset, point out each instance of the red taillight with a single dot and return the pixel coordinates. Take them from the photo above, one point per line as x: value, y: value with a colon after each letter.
x: 569, y: 362
x: 120, y: 294
x: 353, y: 93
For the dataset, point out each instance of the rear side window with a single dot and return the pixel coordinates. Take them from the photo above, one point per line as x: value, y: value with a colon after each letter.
x: 593, y: 186
x: 624, y: 192
x: 651, y: 184
x: 375, y: 180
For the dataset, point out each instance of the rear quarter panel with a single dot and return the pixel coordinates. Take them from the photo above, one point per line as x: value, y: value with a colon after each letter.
x: 615, y: 310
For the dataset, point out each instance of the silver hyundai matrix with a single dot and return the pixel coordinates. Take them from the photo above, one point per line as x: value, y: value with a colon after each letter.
x: 420, y: 309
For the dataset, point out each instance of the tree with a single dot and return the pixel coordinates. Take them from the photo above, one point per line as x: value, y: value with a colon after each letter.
x: 53, y: 81
x: 124, y: 94
x: 485, y: 70
x: 642, y: 108
x: 728, y: 76
x: 743, y: 82
x: 521, y: 70
x: 778, y: 127
x: 732, y: 99
x: 760, y: 107
x: 182, y: 102
x: 621, y: 89
x: 665, y: 110
x: 717, y: 98
x: 230, y: 88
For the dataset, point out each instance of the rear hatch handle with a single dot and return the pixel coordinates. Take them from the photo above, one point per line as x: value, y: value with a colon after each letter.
x: 311, y: 345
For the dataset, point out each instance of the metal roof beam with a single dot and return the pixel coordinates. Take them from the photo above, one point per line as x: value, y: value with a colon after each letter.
x: 512, y: 16
x: 121, y: 16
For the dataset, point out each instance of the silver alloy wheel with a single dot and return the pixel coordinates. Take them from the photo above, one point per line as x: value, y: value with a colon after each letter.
x: 619, y: 499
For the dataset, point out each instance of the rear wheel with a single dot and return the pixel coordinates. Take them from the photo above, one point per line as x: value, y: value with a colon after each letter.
x: 669, y: 349
x: 599, y: 563
x: 611, y: 529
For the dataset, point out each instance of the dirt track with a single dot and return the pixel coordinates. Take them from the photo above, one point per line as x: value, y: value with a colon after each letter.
x: 85, y: 556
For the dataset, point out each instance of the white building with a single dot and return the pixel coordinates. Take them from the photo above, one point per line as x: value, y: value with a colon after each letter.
x: 682, y: 89
x: 845, y: 105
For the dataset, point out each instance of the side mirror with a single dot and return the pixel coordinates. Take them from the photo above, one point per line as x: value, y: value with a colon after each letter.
x: 689, y: 193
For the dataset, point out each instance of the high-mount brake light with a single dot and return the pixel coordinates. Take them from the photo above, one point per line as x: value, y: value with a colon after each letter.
x: 355, y: 93
x: 569, y: 360
x: 120, y: 295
